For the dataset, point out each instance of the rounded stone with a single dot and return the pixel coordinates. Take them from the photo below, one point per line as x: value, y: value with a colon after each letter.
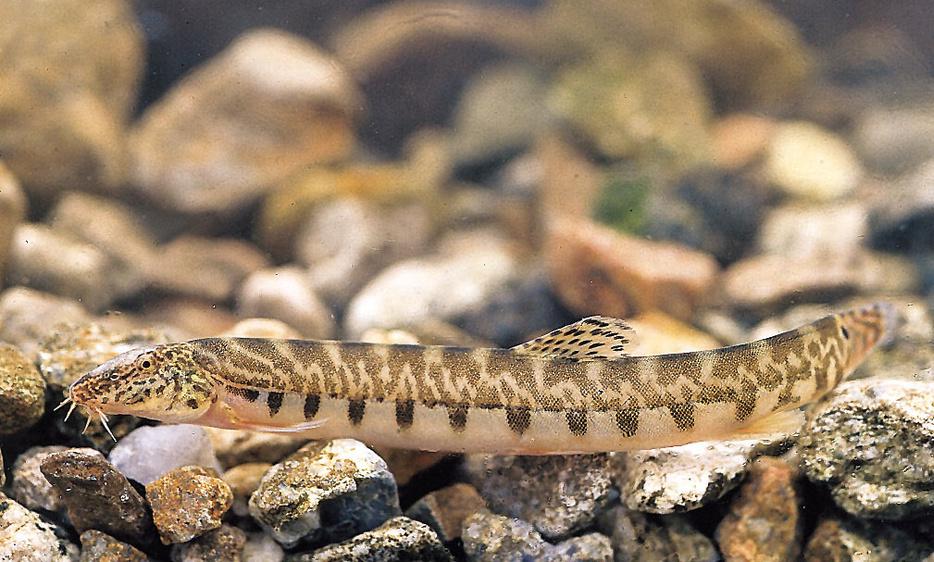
x: 188, y: 502
x: 809, y: 162
x: 22, y: 391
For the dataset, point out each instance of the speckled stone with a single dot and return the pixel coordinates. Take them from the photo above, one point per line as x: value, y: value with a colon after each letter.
x: 764, y: 522
x: 640, y: 537
x: 325, y: 491
x: 870, y: 443
x: 29, y: 487
x: 236, y: 446
x: 224, y: 544
x: 677, y: 479
x: 25, y: 537
x: 559, y: 495
x: 444, y: 510
x: 27, y: 314
x: 148, y: 452
x: 847, y: 539
x: 22, y: 391
x: 400, y: 538
x: 72, y: 350
x: 243, y: 480
x: 493, y: 538
x: 188, y: 502
x: 97, y: 496
x: 101, y: 547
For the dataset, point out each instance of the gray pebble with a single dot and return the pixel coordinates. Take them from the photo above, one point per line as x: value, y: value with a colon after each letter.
x: 148, y: 452
x: 398, y: 539
x: 29, y: 486
x: 25, y: 537
x: 326, y: 491
x: 558, y: 495
x: 870, y: 443
x: 640, y: 537
x: 494, y: 538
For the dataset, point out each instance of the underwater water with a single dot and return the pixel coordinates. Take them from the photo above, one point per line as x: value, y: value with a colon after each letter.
x: 206, y: 207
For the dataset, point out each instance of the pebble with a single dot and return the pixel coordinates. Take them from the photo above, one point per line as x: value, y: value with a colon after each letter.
x: 260, y: 547
x: 12, y: 212
x: 489, y: 538
x: 225, y: 544
x: 400, y: 538
x: 640, y: 537
x: 27, y: 314
x: 894, y: 140
x: 238, y: 446
x: 149, y: 452
x: 596, y: 270
x: 26, y: 537
x: 811, y: 163
x: 657, y: 333
x: 764, y: 522
x: 188, y: 502
x: 243, y: 480
x: 904, y: 219
x: 467, y: 270
x: 683, y: 478
x: 844, y: 538
x: 29, y: 487
x: 739, y: 139
x: 22, y: 391
x: 814, y: 231
x: 71, y: 350
x: 97, y: 496
x: 262, y: 328
x: 870, y: 444
x: 446, y: 509
x: 260, y: 111
x: 214, y: 267
x: 193, y: 317
x: 407, y: 464
x: 558, y: 495
x: 348, y: 241
x: 36, y: 261
x: 652, y: 108
x: 286, y: 294
x: 112, y: 228
x: 500, y: 112
x: 101, y: 547
x: 63, y: 123
x: 326, y: 491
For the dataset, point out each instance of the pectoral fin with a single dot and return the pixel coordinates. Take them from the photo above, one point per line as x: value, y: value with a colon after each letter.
x: 590, y: 339
x: 297, y: 428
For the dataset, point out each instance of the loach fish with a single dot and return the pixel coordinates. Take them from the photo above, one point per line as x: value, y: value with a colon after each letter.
x: 572, y: 390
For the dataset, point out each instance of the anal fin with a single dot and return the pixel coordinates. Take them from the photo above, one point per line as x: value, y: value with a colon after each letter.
x: 590, y: 339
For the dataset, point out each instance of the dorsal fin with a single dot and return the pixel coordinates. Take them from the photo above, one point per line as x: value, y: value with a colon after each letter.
x: 593, y: 338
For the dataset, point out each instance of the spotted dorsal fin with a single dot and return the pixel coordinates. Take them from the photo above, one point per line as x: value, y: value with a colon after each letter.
x: 593, y: 338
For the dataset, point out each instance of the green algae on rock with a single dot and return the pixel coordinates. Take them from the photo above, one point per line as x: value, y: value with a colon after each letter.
x: 22, y: 391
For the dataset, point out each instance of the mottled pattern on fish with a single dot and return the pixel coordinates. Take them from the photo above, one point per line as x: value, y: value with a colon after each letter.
x: 572, y: 390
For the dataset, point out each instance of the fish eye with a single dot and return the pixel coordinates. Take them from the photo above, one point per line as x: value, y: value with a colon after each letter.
x: 113, y: 376
x: 845, y: 332
x: 145, y: 364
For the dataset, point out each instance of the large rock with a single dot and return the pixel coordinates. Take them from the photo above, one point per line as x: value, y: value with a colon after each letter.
x: 466, y: 271
x: 204, y: 268
x: 683, y: 478
x: 845, y: 538
x: 12, y: 213
x: 870, y: 443
x: 70, y: 71
x: 27, y: 314
x: 596, y: 270
x: 22, y: 391
x: 147, y: 453
x: 765, y: 521
x: 25, y: 537
x: 266, y: 107
x: 326, y: 491
x: 97, y: 496
x: 810, y: 163
x: 559, y: 495
x: 400, y: 538
x: 29, y: 486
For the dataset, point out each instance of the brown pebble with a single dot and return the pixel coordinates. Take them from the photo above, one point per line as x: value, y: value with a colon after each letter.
x: 22, y: 391
x: 764, y: 522
x: 101, y: 547
x: 188, y: 502
x: 220, y: 545
x: 97, y: 496
x: 446, y: 509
